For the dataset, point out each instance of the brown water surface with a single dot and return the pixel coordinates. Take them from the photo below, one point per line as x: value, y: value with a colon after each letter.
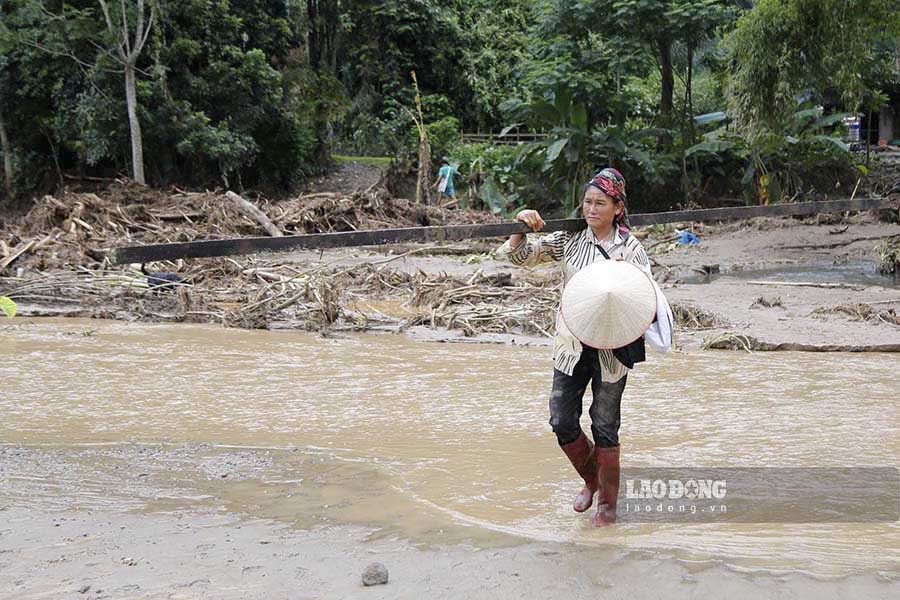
x: 416, y: 437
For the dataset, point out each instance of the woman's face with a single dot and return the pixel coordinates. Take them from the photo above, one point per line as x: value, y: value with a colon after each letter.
x: 599, y: 209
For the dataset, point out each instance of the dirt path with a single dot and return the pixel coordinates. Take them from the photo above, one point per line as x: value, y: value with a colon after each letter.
x: 347, y: 178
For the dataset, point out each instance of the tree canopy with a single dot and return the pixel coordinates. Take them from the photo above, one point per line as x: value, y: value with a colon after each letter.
x: 259, y: 93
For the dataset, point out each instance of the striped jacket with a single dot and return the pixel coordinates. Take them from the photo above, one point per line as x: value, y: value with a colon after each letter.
x: 575, y: 251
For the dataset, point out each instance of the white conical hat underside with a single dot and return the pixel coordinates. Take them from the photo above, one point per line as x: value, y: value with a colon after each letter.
x: 609, y: 304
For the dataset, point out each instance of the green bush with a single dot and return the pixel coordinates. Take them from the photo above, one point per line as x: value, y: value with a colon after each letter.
x: 443, y: 136
x: 374, y: 136
x: 771, y: 167
x: 499, y: 178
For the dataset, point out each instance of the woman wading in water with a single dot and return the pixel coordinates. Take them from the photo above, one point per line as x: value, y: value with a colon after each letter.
x: 605, y: 236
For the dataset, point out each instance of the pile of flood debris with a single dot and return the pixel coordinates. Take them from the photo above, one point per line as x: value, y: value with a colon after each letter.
x: 76, y: 228
x: 260, y: 294
x: 53, y: 260
x: 862, y: 311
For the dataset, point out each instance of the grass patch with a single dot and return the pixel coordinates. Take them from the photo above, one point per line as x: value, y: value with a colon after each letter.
x: 372, y: 161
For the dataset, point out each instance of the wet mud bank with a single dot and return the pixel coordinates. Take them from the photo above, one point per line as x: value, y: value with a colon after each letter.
x: 201, y: 521
x: 774, y: 285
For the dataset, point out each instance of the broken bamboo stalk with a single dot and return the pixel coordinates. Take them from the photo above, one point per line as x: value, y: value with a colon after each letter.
x: 19, y: 251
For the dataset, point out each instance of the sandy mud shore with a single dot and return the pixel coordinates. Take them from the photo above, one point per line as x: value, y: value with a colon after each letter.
x: 198, y: 521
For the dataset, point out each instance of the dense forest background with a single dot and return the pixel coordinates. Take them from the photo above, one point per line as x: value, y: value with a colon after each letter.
x: 261, y: 94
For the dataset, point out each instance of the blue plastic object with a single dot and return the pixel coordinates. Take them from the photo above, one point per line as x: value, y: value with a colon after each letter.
x: 686, y: 238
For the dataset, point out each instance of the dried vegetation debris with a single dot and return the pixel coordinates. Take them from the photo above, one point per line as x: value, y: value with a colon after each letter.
x: 52, y: 258
x: 764, y: 302
x: 63, y: 266
x: 254, y: 294
x: 688, y: 316
x: 80, y: 224
x: 889, y: 256
x: 862, y: 312
x: 355, y: 298
x: 737, y: 341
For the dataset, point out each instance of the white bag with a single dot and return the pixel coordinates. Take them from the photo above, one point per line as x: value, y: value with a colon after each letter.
x: 659, y: 335
x: 442, y: 185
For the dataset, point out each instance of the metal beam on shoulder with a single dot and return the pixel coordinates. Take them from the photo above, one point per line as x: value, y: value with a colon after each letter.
x: 447, y: 233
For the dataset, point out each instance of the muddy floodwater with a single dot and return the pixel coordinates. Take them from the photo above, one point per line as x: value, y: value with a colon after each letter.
x: 425, y: 441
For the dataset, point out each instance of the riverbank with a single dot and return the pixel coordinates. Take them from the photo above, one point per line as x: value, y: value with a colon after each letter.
x: 762, y: 284
x: 97, y: 555
x: 200, y: 521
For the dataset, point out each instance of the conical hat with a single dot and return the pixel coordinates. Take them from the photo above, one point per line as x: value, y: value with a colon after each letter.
x: 609, y: 304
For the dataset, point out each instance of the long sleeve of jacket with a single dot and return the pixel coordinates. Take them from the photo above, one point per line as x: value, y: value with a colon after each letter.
x: 535, y: 250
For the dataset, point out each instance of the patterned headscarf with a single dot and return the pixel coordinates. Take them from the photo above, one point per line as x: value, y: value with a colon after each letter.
x: 610, y: 182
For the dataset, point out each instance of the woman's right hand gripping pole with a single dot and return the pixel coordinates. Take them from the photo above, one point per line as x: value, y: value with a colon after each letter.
x: 530, y: 217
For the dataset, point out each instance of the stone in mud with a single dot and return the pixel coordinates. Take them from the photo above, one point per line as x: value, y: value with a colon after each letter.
x: 375, y: 574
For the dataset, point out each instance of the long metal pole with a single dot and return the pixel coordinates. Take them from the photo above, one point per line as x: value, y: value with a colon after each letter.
x: 447, y: 233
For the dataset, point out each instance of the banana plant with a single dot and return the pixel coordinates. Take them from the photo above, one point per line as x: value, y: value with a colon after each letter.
x: 566, y: 149
x: 770, y: 159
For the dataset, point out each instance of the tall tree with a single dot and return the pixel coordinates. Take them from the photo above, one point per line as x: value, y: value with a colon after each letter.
x: 322, y: 18
x: 72, y: 31
x: 630, y: 27
x: 6, y: 92
x: 6, y: 146
x: 495, y: 42
x: 782, y: 49
x: 129, y: 41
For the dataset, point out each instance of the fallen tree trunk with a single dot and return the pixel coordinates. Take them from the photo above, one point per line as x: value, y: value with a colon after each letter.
x: 249, y: 210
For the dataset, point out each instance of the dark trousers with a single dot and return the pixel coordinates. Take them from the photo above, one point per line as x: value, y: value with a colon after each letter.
x: 565, y: 403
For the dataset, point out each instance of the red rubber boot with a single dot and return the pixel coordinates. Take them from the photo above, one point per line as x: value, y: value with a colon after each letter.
x: 608, y: 478
x: 581, y: 455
